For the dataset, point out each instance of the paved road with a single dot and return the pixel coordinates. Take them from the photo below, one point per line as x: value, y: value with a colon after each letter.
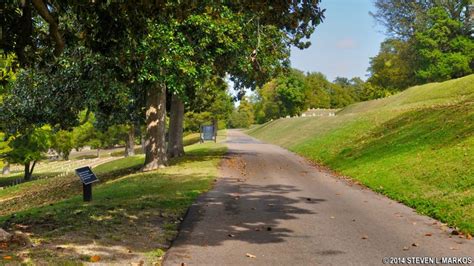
x: 275, y: 205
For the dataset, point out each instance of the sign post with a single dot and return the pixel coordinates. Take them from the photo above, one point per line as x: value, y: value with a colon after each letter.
x: 208, y: 132
x: 87, y: 192
x: 87, y: 177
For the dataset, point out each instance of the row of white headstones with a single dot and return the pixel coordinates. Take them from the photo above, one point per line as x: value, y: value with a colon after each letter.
x: 305, y: 115
x: 60, y: 168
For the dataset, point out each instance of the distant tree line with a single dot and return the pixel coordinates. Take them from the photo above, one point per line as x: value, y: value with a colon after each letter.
x: 293, y: 92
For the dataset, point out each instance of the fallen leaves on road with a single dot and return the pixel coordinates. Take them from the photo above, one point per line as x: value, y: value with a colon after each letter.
x: 428, y: 234
x: 415, y: 244
x: 95, y: 258
x: 365, y: 237
x: 250, y: 256
x: 405, y: 248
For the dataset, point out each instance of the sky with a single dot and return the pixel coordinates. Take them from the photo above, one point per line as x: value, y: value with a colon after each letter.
x: 343, y: 44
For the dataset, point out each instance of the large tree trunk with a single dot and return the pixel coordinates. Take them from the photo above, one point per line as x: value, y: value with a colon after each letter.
x: 155, y: 144
x: 175, y: 141
x: 6, y: 169
x: 130, y: 142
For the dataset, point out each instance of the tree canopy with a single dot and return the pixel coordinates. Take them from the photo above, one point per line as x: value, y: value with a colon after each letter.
x: 428, y: 40
x: 119, y: 60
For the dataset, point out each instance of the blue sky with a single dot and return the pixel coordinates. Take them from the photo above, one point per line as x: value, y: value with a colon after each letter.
x: 343, y: 43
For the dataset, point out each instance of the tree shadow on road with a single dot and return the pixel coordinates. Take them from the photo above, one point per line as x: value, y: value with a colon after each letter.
x: 236, y: 211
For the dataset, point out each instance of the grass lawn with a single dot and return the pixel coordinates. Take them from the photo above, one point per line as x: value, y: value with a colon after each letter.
x: 416, y: 147
x: 132, y: 218
x: 47, y: 169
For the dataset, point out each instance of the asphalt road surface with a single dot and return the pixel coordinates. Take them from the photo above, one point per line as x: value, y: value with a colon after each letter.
x: 272, y: 207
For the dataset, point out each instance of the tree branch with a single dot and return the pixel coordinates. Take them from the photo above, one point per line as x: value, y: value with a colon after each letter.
x: 43, y: 11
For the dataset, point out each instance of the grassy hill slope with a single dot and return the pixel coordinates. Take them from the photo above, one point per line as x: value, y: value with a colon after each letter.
x: 416, y: 147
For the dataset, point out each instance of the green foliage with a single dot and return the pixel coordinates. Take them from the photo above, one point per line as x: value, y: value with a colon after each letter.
x: 55, y: 93
x: 340, y: 96
x: 243, y: 117
x: 402, y: 19
x: 290, y: 93
x: 428, y: 41
x: 193, y: 121
x: 4, y: 148
x: 8, y: 68
x: 317, y: 91
x: 187, y: 49
x: 442, y: 52
x: 84, y: 133
x: 280, y: 97
x: 63, y: 143
x: 210, y: 101
x: 392, y: 67
x: 29, y: 147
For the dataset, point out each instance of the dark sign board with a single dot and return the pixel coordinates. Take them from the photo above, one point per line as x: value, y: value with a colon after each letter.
x: 207, y: 133
x: 86, y: 175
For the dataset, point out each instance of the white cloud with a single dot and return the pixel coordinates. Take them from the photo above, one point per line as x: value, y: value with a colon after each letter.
x: 346, y: 43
